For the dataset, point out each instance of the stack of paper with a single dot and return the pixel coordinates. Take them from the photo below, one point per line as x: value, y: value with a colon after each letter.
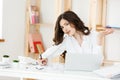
x: 109, y: 72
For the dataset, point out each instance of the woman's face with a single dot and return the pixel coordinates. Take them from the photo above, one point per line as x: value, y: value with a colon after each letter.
x: 67, y: 27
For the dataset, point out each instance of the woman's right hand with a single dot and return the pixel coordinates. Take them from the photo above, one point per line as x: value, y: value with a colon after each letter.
x: 43, y: 61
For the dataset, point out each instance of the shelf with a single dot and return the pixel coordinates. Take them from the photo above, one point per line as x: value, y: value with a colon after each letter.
x: 38, y: 24
x: 110, y: 62
x: 32, y: 27
x: 46, y: 24
x: 100, y: 28
x: 2, y: 40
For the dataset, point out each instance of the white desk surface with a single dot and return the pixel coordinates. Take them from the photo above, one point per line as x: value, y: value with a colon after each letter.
x: 50, y: 74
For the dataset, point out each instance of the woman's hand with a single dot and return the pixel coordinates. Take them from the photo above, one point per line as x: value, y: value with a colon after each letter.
x: 103, y: 33
x: 107, y: 31
x: 43, y: 61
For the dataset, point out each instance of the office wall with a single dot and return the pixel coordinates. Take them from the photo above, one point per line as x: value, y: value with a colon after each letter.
x: 82, y: 8
x: 112, y: 42
x: 112, y: 46
x: 13, y: 30
x: 1, y: 9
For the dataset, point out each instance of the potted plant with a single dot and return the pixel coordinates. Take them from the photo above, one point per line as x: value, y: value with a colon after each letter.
x: 15, y: 63
x: 5, y: 58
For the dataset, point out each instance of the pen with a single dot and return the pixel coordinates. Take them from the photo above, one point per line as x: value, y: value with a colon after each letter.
x: 63, y: 54
x: 39, y: 50
x: 43, y: 61
x: 40, y: 56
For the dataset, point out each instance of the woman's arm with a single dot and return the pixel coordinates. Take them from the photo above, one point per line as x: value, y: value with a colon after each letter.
x: 52, y: 51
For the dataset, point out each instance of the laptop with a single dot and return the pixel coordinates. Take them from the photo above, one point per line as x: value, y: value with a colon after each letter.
x: 83, y: 62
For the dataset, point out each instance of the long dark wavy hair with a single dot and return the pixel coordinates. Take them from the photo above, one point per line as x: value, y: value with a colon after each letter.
x: 72, y: 18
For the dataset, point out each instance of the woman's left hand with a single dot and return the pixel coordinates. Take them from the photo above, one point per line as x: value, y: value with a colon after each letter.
x: 107, y: 31
x: 103, y: 33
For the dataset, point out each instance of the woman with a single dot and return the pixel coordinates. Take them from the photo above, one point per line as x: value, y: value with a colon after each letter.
x: 73, y: 36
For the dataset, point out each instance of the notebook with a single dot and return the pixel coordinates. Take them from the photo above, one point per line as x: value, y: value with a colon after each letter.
x: 112, y: 72
x: 83, y: 62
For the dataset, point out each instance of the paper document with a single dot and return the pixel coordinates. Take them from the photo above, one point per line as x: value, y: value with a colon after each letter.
x: 109, y: 72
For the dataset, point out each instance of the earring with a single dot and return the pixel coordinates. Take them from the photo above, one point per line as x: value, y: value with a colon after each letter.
x: 85, y: 31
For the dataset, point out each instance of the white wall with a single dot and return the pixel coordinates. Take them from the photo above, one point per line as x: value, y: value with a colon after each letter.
x: 113, y: 14
x: 13, y: 30
x: 112, y: 42
x: 112, y: 46
x: 1, y: 9
x: 82, y: 8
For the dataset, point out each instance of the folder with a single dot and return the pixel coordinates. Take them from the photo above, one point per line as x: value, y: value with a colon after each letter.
x: 35, y: 43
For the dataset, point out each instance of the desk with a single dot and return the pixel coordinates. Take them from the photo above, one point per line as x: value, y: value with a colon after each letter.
x: 50, y: 75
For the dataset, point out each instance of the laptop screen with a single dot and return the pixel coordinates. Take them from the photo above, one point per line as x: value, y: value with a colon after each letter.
x: 84, y: 62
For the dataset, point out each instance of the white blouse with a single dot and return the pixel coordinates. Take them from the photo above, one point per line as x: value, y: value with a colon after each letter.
x: 70, y: 44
